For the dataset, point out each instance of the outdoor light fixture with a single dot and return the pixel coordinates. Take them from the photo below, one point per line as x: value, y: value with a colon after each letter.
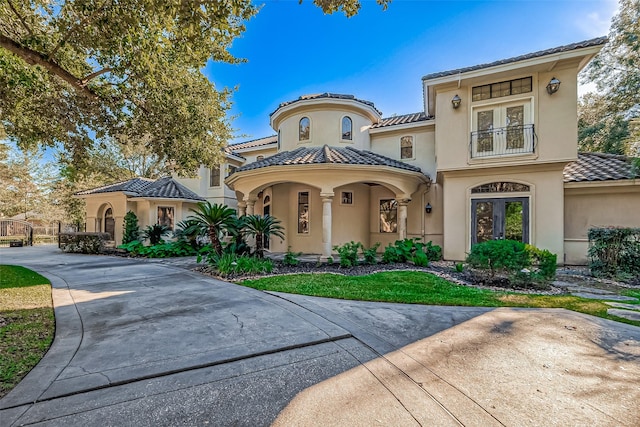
x: 553, y: 86
x: 457, y: 100
x: 428, y: 208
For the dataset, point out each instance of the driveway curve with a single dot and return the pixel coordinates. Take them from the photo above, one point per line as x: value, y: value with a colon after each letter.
x: 142, y: 342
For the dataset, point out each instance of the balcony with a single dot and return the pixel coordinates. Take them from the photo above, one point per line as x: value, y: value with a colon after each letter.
x: 507, y: 141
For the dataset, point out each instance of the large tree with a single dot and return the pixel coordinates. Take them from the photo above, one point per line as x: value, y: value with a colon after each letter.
x: 604, y: 117
x: 72, y: 71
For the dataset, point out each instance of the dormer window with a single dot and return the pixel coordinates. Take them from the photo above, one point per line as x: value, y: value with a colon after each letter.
x: 304, y: 129
x: 406, y: 147
x: 347, y: 126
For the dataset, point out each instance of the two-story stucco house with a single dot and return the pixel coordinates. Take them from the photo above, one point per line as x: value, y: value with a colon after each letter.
x: 493, y: 155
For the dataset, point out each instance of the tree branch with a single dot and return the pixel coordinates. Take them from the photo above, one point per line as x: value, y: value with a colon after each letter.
x: 22, y: 21
x: 92, y: 76
x: 36, y: 58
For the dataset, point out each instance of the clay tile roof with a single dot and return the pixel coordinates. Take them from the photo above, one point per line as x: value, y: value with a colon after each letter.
x: 401, y: 120
x: 327, y: 154
x: 254, y: 143
x: 566, y: 48
x: 134, y: 185
x: 327, y: 96
x: 163, y: 188
x: 598, y: 167
x: 168, y: 188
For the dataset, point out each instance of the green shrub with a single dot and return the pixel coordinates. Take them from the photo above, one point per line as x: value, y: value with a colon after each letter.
x: 412, y: 250
x: 434, y: 252
x: 348, y: 253
x: 371, y: 255
x: 291, y: 258
x: 614, y: 252
x: 179, y: 248
x: 133, y: 247
x: 459, y: 267
x: 227, y: 264
x: 131, y: 229
x: 508, y: 256
x: 545, y: 262
x: 522, y: 264
x: 84, y: 243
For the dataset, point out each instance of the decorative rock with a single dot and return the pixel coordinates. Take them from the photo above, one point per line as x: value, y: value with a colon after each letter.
x: 591, y: 295
x: 632, y: 307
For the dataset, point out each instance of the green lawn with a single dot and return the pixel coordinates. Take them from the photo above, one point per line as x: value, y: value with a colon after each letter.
x: 423, y: 288
x: 26, y: 323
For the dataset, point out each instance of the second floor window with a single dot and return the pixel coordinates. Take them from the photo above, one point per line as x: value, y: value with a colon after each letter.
x: 406, y: 147
x: 231, y: 170
x: 305, y: 129
x: 346, y: 128
x: 214, y: 177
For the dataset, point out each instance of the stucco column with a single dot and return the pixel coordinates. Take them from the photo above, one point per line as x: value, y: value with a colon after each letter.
x: 327, y: 200
x: 250, y: 204
x: 402, y: 218
x: 242, y: 208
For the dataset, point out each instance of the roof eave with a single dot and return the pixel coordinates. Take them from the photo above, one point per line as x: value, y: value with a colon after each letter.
x: 403, y: 126
x: 586, y: 52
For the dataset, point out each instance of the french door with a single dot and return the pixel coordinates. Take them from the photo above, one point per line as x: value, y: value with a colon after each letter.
x: 493, y: 219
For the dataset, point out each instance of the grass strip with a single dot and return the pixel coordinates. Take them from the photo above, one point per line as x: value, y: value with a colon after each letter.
x: 411, y: 287
x: 26, y: 323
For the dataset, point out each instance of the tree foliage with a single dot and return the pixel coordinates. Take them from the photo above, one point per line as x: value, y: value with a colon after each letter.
x: 72, y: 71
x: 604, y: 117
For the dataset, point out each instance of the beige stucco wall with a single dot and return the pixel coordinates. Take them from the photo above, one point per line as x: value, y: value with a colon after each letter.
x: 326, y: 128
x: 424, y: 147
x: 146, y: 210
x: 546, y: 206
x: 597, y: 204
x: 554, y: 118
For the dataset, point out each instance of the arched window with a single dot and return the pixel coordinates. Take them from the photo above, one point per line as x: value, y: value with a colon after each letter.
x: 305, y: 129
x: 346, y: 128
x: 406, y: 147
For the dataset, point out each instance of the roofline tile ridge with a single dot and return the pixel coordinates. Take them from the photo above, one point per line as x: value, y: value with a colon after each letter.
x: 565, y: 48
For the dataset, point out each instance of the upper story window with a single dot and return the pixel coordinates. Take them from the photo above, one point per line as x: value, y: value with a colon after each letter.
x: 497, y: 90
x: 347, y: 126
x: 231, y: 169
x: 259, y: 158
x: 503, y: 129
x: 278, y: 139
x: 214, y: 177
x: 406, y: 147
x: 304, y: 130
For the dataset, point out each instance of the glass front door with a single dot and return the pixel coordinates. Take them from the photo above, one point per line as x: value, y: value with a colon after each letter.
x: 500, y: 219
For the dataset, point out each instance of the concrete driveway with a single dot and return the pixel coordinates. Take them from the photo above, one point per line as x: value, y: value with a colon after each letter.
x: 143, y: 342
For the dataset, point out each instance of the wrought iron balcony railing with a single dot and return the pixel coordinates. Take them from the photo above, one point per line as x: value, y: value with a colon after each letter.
x: 505, y: 141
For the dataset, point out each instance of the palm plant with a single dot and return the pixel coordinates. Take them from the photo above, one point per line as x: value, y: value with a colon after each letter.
x: 262, y: 227
x: 212, y: 220
x: 155, y: 233
x: 188, y: 230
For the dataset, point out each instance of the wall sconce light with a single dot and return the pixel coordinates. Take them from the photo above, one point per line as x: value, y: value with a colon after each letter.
x: 428, y: 208
x: 553, y: 86
x: 456, y: 101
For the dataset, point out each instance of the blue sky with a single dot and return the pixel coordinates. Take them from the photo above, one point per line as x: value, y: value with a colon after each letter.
x: 380, y: 56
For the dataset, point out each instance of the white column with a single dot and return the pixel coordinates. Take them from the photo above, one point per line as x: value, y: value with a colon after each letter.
x: 327, y: 199
x: 402, y: 218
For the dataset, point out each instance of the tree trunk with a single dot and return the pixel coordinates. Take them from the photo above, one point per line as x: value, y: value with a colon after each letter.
x: 259, y: 245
